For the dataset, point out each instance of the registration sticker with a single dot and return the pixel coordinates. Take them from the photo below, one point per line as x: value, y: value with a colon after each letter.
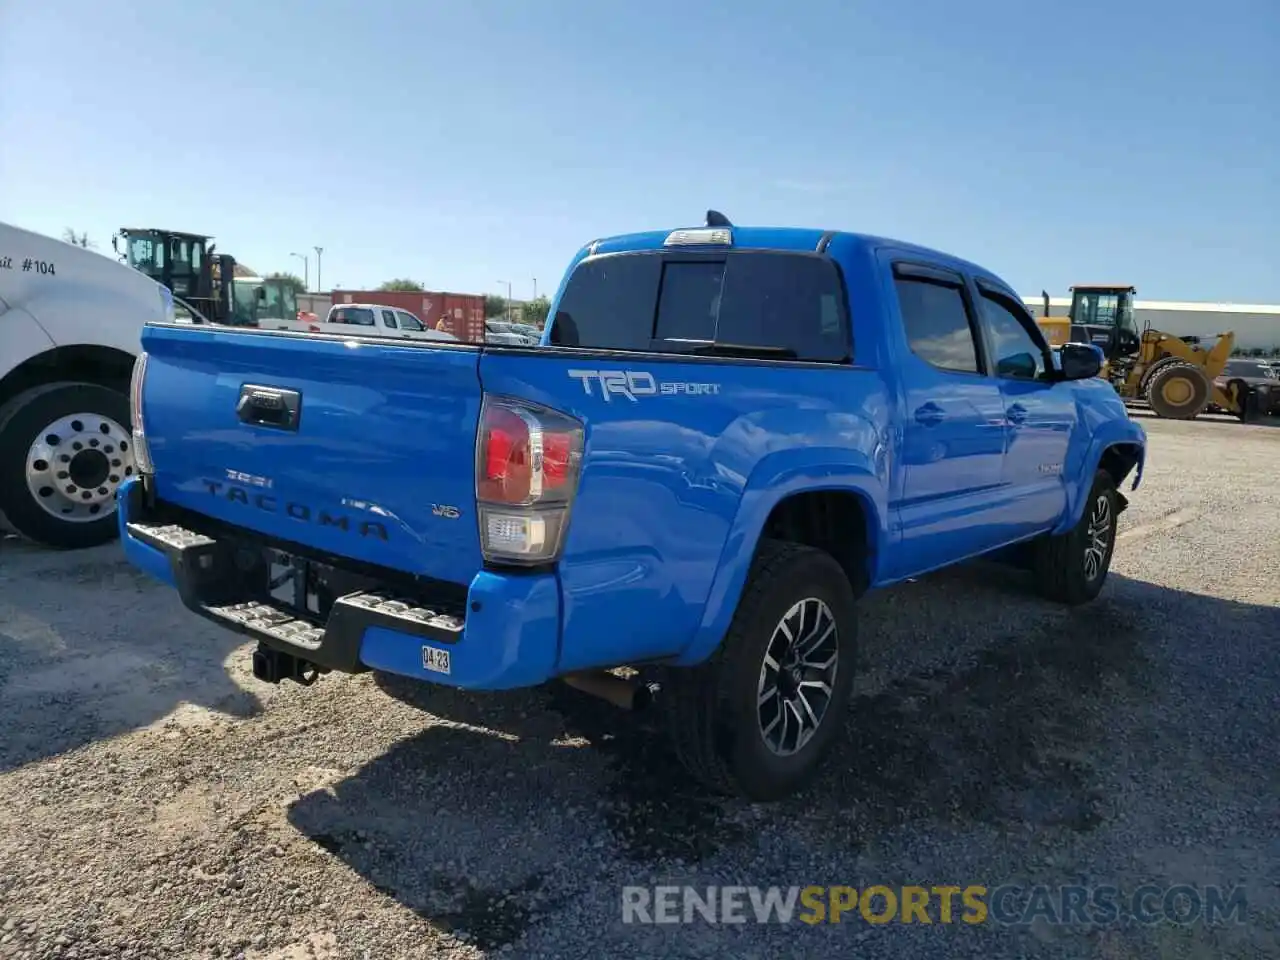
x: 435, y: 660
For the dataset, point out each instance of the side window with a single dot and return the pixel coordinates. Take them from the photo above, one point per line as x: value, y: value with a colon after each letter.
x: 937, y: 324
x: 408, y: 321
x: 1015, y: 353
x: 389, y: 319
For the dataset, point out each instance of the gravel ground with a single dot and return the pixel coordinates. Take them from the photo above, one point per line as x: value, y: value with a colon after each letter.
x: 160, y: 803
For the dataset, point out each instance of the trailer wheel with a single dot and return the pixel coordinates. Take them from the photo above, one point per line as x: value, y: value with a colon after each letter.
x: 758, y: 718
x: 1178, y: 392
x: 65, y: 449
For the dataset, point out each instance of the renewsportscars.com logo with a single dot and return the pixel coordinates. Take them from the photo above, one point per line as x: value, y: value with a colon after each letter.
x: 1004, y: 905
x: 634, y: 384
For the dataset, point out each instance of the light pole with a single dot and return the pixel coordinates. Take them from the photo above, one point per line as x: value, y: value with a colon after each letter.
x: 508, y: 283
x: 306, y: 269
x: 318, y: 250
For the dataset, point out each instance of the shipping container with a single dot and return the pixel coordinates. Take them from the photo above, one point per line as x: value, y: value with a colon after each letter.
x: 463, y: 313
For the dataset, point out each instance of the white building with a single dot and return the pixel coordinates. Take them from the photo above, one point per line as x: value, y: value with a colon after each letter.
x: 1256, y: 325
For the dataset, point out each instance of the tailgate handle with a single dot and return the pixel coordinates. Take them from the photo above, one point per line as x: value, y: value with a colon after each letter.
x: 269, y: 406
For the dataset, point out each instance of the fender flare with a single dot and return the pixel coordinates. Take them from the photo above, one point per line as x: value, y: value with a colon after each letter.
x: 21, y: 338
x: 1112, y: 433
x: 775, y: 478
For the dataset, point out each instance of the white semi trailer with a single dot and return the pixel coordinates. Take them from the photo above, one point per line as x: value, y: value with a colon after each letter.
x: 70, y: 324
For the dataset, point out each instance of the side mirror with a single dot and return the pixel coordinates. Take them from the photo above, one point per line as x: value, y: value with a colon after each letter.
x: 1080, y: 361
x: 1019, y: 366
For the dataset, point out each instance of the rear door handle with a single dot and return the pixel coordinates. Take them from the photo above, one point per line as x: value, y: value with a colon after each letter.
x: 1017, y: 413
x: 930, y: 414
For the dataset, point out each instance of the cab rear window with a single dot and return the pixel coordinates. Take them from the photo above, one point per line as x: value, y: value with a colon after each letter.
x: 355, y: 316
x: 775, y: 305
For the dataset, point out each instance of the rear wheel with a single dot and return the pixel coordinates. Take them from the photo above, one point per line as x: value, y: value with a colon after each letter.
x: 65, y: 449
x: 759, y: 717
x: 1178, y: 392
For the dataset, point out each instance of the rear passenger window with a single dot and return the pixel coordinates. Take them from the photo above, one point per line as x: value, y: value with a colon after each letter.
x: 389, y: 320
x: 775, y: 301
x: 937, y: 324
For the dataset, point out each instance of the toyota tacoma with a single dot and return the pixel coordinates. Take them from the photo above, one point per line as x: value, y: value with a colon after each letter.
x: 725, y: 437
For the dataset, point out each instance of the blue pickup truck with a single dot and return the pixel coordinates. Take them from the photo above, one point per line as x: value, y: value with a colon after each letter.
x: 726, y: 436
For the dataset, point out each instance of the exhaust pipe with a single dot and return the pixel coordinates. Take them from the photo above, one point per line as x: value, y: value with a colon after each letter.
x: 619, y: 691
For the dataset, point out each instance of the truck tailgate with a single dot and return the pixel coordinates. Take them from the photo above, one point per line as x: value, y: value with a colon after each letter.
x: 378, y: 464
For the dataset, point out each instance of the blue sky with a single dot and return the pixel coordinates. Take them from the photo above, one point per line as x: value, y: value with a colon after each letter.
x: 464, y: 143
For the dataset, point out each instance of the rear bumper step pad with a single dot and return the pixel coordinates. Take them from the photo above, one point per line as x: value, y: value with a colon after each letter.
x: 207, y: 575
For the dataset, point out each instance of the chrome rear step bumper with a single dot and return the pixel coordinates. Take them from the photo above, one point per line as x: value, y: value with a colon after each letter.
x: 215, y: 581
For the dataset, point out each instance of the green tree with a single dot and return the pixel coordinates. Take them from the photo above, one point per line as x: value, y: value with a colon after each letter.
x: 292, y: 279
x: 536, y: 310
x: 401, y: 286
x: 77, y: 239
x: 494, y: 306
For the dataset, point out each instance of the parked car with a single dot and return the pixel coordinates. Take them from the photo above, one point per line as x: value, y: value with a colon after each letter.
x: 499, y: 331
x: 1256, y: 376
x: 509, y: 339
x: 732, y: 434
x: 365, y: 319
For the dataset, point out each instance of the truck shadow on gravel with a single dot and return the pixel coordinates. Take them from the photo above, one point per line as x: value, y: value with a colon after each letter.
x: 1012, y: 729
x: 91, y: 648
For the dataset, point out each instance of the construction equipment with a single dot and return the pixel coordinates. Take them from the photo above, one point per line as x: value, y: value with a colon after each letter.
x: 203, y: 281
x: 1175, y: 375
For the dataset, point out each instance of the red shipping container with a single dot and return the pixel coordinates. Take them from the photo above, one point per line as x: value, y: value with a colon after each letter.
x: 463, y: 313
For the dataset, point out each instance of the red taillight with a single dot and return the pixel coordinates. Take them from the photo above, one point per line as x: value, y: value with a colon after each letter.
x: 557, y: 449
x: 527, y: 464
x: 505, y: 457
x: 526, y: 455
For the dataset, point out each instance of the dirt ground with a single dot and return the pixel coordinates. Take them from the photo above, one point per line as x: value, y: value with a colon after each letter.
x: 158, y: 802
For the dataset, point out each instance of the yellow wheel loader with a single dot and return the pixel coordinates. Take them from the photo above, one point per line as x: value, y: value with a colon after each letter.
x: 1175, y: 375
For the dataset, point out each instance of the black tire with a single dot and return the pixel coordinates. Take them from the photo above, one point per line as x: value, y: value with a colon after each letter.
x: 1245, y: 398
x: 1179, y: 391
x: 21, y: 421
x: 1156, y: 368
x: 1061, y: 566
x: 714, y: 713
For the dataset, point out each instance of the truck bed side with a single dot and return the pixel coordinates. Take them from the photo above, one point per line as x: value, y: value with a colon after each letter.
x: 677, y: 483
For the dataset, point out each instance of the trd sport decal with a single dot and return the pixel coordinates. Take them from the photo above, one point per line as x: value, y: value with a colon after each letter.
x: 634, y: 384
